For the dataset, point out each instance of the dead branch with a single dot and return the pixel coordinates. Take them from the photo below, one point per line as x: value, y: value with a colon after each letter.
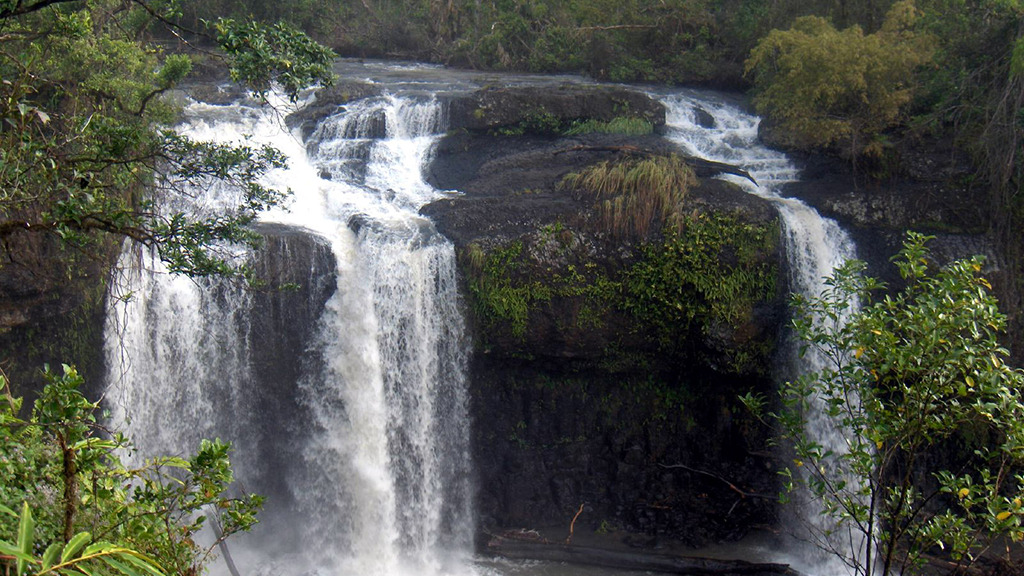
x: 618, y: 27
x: 572, y: 524
x: 733, y: 487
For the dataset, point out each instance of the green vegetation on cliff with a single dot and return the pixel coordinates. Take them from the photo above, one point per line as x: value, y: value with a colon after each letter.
x: 694, y: 285
x: 636, y: 196
x: 708, y: 275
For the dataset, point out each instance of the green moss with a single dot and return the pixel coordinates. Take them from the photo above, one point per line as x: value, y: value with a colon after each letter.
x: 702, y: 280
x: 498, y: 296
x: 540, y: 122
x: 537, y: 121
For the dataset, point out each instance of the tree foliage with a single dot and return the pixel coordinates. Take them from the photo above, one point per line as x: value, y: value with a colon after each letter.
x: 83, y: 508
x: 82, y: 152
x: 823, y: 85
x: 917, y: 384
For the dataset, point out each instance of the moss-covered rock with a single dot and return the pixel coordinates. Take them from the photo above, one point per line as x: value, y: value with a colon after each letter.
x: 550, y: 110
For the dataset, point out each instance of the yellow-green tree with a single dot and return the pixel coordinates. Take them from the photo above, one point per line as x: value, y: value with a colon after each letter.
x: 824, y: 86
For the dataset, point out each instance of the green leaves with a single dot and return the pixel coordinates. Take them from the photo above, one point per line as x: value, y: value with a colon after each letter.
x: 25, y: 536
x: 911, y: 375
x: 66, y: 560
x: 263, y: 54
x: 708, y: 273
x: 147, y: 515
x: 1017, y: 60
x: 73, y: 546
x: 824, y: 86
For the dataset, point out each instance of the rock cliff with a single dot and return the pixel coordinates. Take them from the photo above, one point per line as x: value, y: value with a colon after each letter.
x: 604, y: 376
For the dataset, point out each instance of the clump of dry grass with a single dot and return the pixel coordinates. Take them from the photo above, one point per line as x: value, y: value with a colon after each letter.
x: 474, y: 257
x: 633, y: 195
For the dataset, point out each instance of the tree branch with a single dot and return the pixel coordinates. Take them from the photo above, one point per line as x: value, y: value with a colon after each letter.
x: 21, y: 9
x: 733, y: 487
x: 618, y: 27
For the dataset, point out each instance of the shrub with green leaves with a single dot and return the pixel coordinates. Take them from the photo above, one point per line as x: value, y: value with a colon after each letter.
x: 917, y: 383
x: 83, y: 510
x: 710, y: 273
x: 824, y: 86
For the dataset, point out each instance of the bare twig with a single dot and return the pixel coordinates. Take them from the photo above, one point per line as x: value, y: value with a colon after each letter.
x: 572, y: 524
x: 618, y: 27
x: 733, y: 487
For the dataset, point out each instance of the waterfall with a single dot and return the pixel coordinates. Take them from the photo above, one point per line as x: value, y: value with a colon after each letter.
x: 346, y: 400
x: 814, y: 245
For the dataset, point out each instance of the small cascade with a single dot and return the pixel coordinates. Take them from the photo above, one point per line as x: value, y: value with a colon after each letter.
x: 815, y: 246
x: 346, y: 402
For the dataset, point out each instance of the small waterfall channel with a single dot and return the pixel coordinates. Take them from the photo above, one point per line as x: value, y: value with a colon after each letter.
x: 357, y: 429
x: 814, y: 245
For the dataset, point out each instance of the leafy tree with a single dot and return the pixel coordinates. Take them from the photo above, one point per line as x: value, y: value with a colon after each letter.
x: 83, y: 156
x: 824, y: 86
x: 89, y: 508
x: 933, y: 420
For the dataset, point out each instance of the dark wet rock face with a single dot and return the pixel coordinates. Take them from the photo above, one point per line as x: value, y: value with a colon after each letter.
x: 296, y: 268
x: 925, y: 186
x: 576, y: 402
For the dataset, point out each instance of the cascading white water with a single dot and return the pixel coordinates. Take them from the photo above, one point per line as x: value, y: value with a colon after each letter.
x: 375, y: 473
x: 815, y: 246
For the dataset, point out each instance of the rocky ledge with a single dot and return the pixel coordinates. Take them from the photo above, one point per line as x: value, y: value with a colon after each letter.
x: 545, y: 107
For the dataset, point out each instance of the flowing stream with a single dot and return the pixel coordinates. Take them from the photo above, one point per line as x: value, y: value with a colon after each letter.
x: 363, y: 448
